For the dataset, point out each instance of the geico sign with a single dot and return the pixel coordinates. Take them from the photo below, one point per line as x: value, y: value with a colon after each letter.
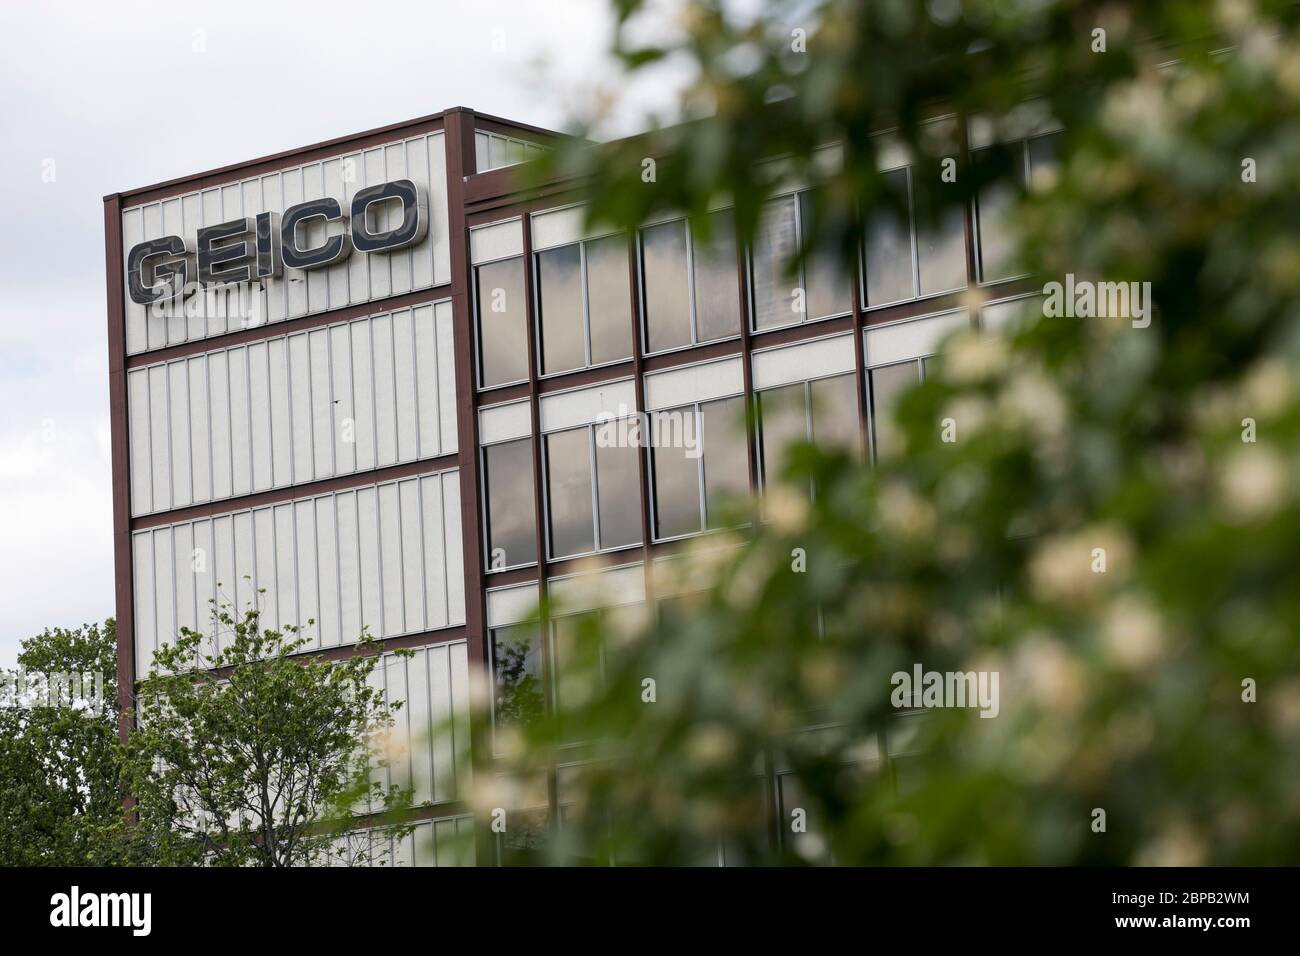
x: 255, y: 248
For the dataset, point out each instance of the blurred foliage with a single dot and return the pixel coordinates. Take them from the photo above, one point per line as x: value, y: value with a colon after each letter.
x: 59, y: 766
x: 1173, y: 447
x: 247, y: 755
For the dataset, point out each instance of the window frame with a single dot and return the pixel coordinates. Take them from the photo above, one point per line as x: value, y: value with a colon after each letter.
x: 643, y: 325
x: 594, y: 474
x: 486, y: 507
x: 536, y: 292
x: 479, y: 384
x: 977, y: 227
x: 701, y: 491
x: 809, y: 436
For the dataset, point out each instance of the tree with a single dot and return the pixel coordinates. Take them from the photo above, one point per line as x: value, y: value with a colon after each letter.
x: 59, y: 769
x: 250, y: 754
x: 1102, y: 512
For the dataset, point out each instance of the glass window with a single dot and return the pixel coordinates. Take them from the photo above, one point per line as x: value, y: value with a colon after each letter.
x: 618, y: 491
x: 888, y: 243
x: 717, y: 292
x: 609, y: 304
x: 667, y: 296
x: 828, y: 288
x: 775, y: 247
x: 518, y: 697
x: 559, y: 286
x: 675, y: 463
x: 887, y: 383
x: 941, y: 253
x: 835, y: 412
x: 670, y: 261
x: 502, y: 322
x: 584, y: 303
x: 511, y: 516
x: 574, y: 527
x: 568, y: 483
x: 725, y: 460
x: 993, y: 207
x: 783, y: 414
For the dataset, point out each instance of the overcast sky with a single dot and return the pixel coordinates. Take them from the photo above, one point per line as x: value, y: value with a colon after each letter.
x: 99, y: 97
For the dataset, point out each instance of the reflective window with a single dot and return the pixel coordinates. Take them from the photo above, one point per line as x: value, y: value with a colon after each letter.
x: 835, y: 412
x: 1033, y: 160
x: 518, y: 698
x: 913, y: 246
x: 826, y: 286
x: 511, y: 520
x: 698, y: 460
x: 583, y: 519
x: 823, y: 411
x: 502, y: 322
x: 691, y: 291
x: 584, y: 304
x: 886, y: 383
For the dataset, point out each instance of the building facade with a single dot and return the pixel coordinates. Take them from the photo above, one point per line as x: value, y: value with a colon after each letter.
x: 376, y: 379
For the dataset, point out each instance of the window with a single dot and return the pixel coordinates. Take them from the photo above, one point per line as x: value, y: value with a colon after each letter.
x: 823, y: 411
x: 826, y: 287
x: 887, y: 382
x: 517, y: 690
x: 584, y: 305
x: 698, y: 460
x: 502, y: 322
x: 690, y: 289
x: 910, y: 251
x: 593, y: 494
x: 510, y: 518
x: 1028, y: 161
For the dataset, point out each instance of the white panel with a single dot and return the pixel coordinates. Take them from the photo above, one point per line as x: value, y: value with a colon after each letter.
x: 454, y: 547
x: 803, y: 361
x: 187, y: 614
x: 348, y: 531
x: 300, y: 407
x: 914, y: 338
x: 203, y: 566
x: 372, y: 609
x: 137, y: 331
x: 424, y: 357
x: 586, y: 405
x: 363, y: 395
x: 241, y: 459
x: 1031, y: 118
x: 259, y: 383
x: 142, y: 584
x: 420, y: 726
x: 498, y: 423
x: 390, y: 560
x: 242, y: 587
x: 287, y: 610
x: 345, y: 445
x: 164, y: 569
x: 178, y: 409
x: 322, y: 412
x: 500, y: 240
x: 381, y: 342
x: 137, y: 382
x: 446, y: 379
x: 308, y: 560
x: 412, y: 554
x: 404, y: 378
x: 608, y: 587
x: 694, y: 383
x: 219, y: 402
x: 327, y: 564
x: 277, y: 357
x: 511, y: 605
x: 436, y: 581
x: 439, y: 210
x: 559, y: 227
x: 459, y: 654
x: 223, y: 550
x: 264, y: 567
x: 441, y: 705
x: 160, y: 438
x: 1008, y: 315
x: 200, y: 429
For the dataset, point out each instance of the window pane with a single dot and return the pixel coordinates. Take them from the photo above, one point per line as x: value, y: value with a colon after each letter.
x: 560, y: 296
x: 675, y: 460
x: 609, y: 303
x: 1044, y: 155
x: 887, y: 383
x: 717, y: 292
x: 667, y: 298
x: 502, y: 322
x: 517, y: 675
x: 618, y: 489
x: 835, y: 412
x: 511, y: 518
x: 775, y: 248
x: 578, y: 669
x: 726, y: 467
x: 888, y: 244
x: 995, y: 202
x: 784, y: 422
x: 829, y: 286
x: 568, y: 486
x: 941, y: 254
